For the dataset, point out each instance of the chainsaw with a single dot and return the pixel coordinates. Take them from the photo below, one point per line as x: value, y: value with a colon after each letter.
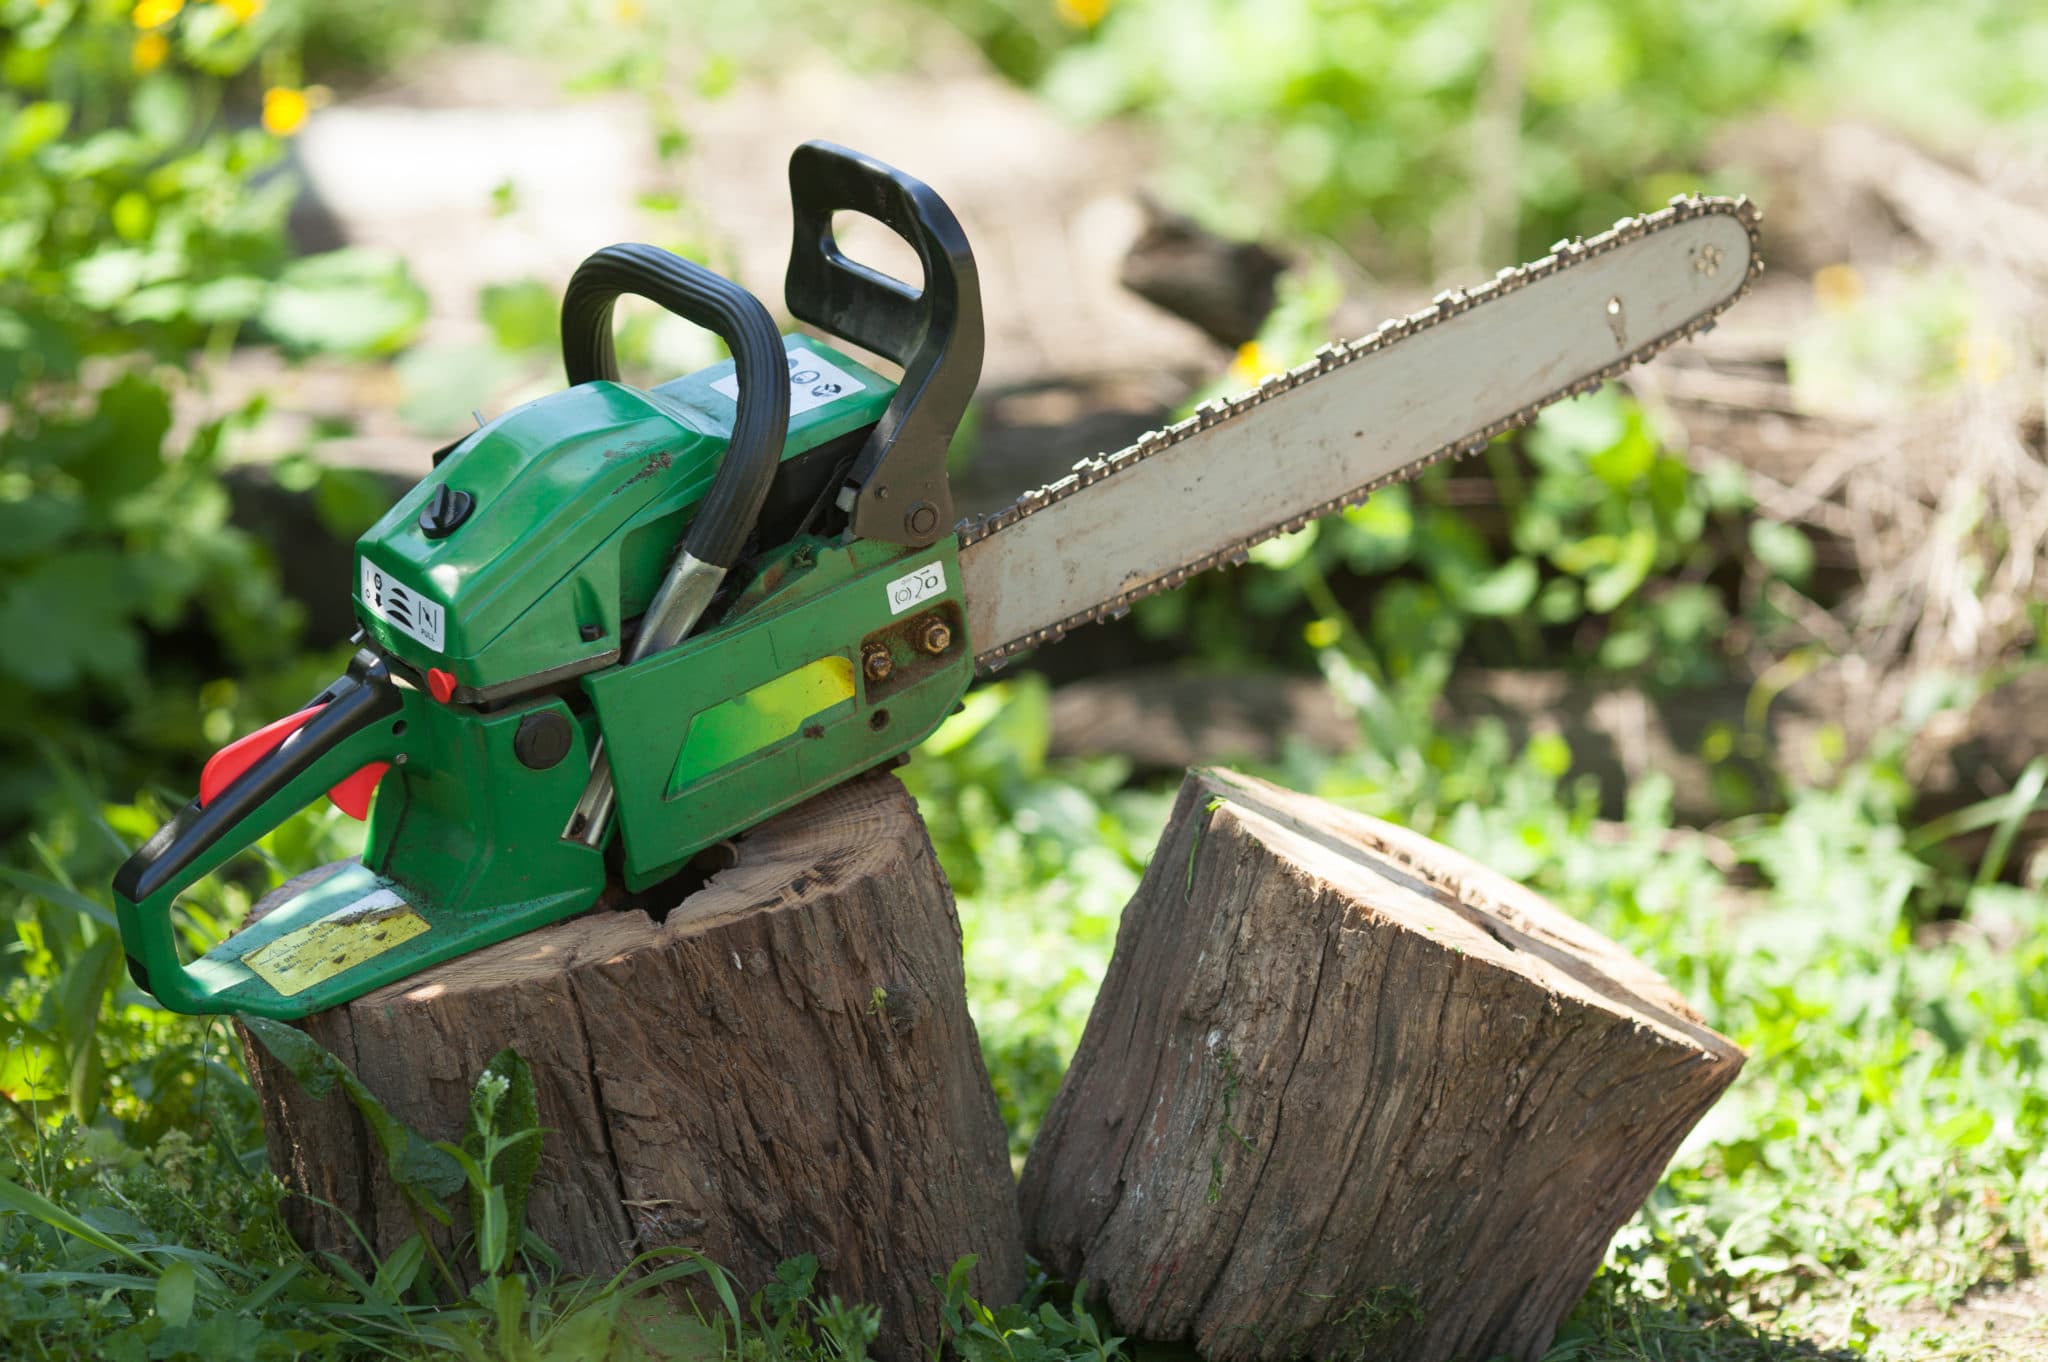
x: 614, y: 627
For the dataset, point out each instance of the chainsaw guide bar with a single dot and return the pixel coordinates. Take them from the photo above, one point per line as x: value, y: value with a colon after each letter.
x: 1241, y: 470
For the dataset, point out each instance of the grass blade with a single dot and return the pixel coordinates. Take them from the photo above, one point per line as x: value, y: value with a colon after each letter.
x: 19, y: 1199
x: 2019, y: 802
x: 38, y: 887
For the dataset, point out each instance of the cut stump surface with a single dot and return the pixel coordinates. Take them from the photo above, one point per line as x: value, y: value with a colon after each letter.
x: 784, y: 1065
x: 1348, y: 1094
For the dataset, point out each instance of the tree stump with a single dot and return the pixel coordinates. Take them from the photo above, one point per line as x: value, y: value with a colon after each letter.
x: 1346, y: 1093
x: 784, y: 1065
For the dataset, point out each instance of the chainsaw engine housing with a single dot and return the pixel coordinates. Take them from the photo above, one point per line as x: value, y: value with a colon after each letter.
x: 668, y: 613
x: 574, y: 504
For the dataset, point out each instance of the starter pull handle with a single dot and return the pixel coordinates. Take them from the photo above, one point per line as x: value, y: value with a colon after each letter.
x: 726, y: 516
x: 899, y: 478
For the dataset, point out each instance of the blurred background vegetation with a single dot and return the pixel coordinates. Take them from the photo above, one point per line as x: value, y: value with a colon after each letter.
x: 1739, y: 662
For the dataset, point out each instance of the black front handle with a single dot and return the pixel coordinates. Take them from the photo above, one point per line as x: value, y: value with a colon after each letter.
x: 736, y: 317
x: 899, y: 478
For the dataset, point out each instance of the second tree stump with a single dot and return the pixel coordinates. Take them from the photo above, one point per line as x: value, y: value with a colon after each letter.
x: 784, y: 1065
x: 1346, y: 1093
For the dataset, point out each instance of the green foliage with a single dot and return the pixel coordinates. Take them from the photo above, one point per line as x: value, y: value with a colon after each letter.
x: 349, y: 302
x: 1042, y: 857
x: 1369, y: 123
x: 141, y: 228
x: 501, y: 1151
x: 1034, y: 1329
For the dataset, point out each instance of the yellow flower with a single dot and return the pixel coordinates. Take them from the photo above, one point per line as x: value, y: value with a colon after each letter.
x: 627, y: 11
x: 1082, y: 13
x: 284, y: 110
x: 155, y: 13
x: 1252, y: 364
x: 149, y: 52
x: 1837, y: 287
x: 243, y: 10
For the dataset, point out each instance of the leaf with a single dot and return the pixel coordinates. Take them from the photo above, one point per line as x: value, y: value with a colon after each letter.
x: 792, y: 1284
x: 272, y: 1286
x: 508, y: 1302
x: 443, y: 382
x: 584, y: 1334
x: 1629, y: 459
x: 353, y: 301
x: 232, y: 298
x: 1550, y: 754
x: 492, y: 1239
x: 315, y: 1070
x: 162, y: 109
x: 1380, y: 533
x: 419, y: 1169
x: 1607, y: 587
x: 1782, y: 549
x: 395, y: 1275
x: 106, y: 277
x: 1507, y: 590
x: 174, y: 1293
x: 76, y: 1001
x: 37, y: 524
x: 1568, y: 433
x: 1966, y: 1129
x: 1286, y: 550
x: 33, y: 127
x: 522, y: 315
x: 66, y: 620
x: 2020, y: 803
x: 123, y: 449
x: 32, y: 1067
x: 19, y: 1199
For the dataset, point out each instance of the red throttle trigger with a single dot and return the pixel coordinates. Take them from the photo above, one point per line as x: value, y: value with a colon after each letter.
x: 351, y: 794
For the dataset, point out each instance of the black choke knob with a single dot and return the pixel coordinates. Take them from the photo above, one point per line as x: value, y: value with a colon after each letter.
x: 445, y: 510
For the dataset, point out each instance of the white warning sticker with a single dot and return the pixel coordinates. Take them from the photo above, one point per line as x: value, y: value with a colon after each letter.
x: 812, y: 382
x: 403, y: 608
x: 912, y: 587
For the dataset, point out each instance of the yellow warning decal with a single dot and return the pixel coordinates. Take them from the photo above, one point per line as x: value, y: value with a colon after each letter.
x: 363, y: 931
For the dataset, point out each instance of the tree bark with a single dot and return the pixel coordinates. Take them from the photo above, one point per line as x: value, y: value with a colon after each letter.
x: 784, y: 1065
x: 1346, y: 1093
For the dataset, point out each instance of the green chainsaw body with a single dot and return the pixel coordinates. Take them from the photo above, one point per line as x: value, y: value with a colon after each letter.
x: 498, y: 601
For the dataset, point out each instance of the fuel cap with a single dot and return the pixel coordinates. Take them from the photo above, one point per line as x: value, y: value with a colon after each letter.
x: 444, y: 511
x: 542, y: 739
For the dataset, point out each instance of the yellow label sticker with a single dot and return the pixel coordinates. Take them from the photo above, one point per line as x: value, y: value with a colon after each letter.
x: 363, y: 931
